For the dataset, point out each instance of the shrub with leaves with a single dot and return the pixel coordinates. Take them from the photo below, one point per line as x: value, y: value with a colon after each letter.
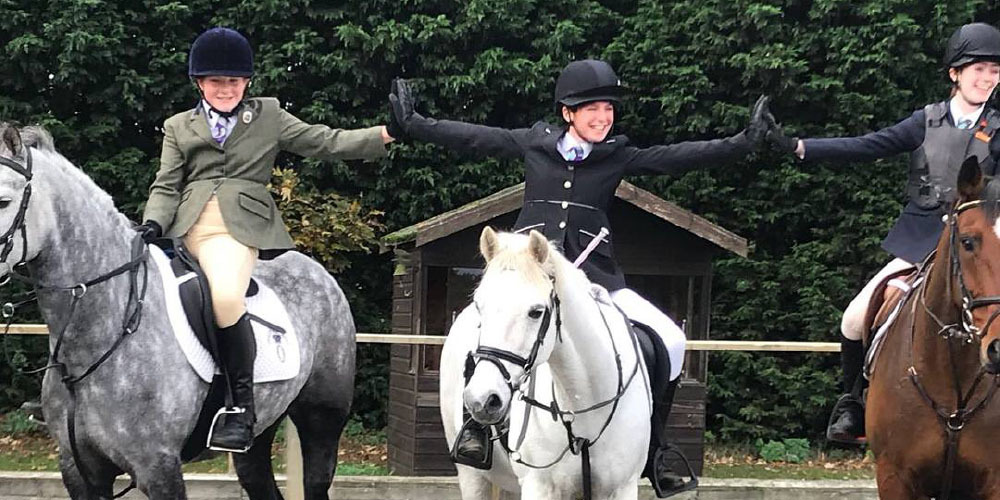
x: 324, y: 225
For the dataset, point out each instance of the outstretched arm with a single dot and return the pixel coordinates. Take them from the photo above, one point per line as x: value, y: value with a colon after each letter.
x: 675, y: 159
x: 902, y: 137
x: 464, y: 138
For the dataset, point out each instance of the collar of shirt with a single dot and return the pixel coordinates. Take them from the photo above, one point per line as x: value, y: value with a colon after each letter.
x: 957, y: 115
x: 566, y: 144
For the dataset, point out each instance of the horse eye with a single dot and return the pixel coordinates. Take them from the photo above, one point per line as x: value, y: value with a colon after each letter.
x: 4, y: 202
x: 535, y: 313
x: 968, y: 243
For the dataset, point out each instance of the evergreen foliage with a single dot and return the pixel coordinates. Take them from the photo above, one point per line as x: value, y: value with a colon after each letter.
x: 103, y: 75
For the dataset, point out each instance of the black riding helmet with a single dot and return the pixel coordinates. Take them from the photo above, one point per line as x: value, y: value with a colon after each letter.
x: 587, y: 81
x: 220, y: 52
x: 972, y: 43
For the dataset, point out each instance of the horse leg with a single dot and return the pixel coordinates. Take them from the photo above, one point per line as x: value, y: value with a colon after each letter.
x: 319, y: 430
x: 474, y: 485
x: 891, y: 486
x: 75, y: 484
x: 161, y: 479
x: 253, y: 468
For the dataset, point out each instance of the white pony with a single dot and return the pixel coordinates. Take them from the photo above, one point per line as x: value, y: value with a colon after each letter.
x: 534, y: 308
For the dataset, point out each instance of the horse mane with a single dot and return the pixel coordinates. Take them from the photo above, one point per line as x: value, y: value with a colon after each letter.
x: 513, y: 255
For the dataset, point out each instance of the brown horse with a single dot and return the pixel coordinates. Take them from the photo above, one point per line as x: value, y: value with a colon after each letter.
x: 932, y: 411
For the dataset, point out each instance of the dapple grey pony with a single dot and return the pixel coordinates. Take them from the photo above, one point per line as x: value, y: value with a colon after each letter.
x: 133, y: 413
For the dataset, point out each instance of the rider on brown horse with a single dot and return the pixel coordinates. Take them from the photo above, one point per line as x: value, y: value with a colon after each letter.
x: 939, y: 137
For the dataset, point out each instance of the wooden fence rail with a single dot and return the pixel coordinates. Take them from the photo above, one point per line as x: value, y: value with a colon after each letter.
x: 293, y: 458
x: 692, y: 345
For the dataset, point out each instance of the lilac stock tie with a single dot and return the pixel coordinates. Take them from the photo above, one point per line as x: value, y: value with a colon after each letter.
x: 577, y: 153
x: 964, y: 124
x: 219, y: 132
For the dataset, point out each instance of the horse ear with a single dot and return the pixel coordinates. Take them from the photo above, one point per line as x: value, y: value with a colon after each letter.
x: 488, y: 243
x: 12, y: 139
x: 538, y: 246
x: 970, y: 179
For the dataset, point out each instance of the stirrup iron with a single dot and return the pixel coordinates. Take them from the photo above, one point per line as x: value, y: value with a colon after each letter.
x: 487, y: 462
x: 236, y: 410
x: 661, y: 454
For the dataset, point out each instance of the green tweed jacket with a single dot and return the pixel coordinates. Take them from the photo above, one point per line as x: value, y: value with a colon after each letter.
x: 193, y: 167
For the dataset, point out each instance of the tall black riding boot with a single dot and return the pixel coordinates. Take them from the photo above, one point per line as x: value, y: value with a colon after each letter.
x: 847, y: 421
x: 238, y: 349
x: 665, y: 481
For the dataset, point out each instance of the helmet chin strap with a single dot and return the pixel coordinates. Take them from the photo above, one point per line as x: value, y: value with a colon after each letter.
x: 225, y: 114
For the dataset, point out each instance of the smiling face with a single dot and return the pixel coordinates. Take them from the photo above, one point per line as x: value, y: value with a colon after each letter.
x: 975, y: 82
x: 590, y: 121
x: 223, y: 92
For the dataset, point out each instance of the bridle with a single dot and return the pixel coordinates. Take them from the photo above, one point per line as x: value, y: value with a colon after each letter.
x: 133, y: 307
x: 576, y: 445
x: 964, y: 332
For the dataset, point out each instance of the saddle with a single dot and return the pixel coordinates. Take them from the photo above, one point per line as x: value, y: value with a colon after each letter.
x: 196, y: 298
x: 887, y: 296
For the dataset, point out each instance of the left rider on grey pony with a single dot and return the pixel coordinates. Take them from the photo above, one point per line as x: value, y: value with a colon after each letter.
x: 571, y: 173
x: 211, y: 190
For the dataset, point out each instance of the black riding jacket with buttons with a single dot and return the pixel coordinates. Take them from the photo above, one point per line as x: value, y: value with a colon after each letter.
x: 568, y: 201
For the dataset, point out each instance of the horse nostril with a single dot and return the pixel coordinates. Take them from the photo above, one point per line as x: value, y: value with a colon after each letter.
x: 493, y: 403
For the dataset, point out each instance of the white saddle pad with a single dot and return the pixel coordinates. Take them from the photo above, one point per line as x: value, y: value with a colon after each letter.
x: 277, y: 352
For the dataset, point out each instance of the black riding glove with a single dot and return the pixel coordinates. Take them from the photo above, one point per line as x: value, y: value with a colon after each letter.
x: 758, y: 126
x: 401, y: 107
x: 777, y: 139
x: 393, y: 127
x: 149, y: 230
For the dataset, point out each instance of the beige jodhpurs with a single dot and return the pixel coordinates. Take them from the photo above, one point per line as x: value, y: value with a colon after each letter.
x: 227, y: 263
x: 853, y: 324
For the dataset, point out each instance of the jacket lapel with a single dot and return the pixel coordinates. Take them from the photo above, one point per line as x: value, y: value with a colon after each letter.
x: 244, y: 118
x: 199, y: 125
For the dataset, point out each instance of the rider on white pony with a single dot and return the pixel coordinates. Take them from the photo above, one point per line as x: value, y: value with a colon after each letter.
x: 571, y: 174
x: 939, y: 137
x: 211, y: 191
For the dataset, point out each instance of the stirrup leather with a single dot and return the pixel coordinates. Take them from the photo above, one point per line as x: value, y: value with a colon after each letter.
x: 486, y: 463
x: 236, y: 410
x: 660, y: 457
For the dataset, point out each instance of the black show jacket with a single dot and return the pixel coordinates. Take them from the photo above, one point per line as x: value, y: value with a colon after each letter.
x: 568, y: 201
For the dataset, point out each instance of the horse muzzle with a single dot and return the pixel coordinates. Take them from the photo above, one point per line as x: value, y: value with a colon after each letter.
x: 487, y: 408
